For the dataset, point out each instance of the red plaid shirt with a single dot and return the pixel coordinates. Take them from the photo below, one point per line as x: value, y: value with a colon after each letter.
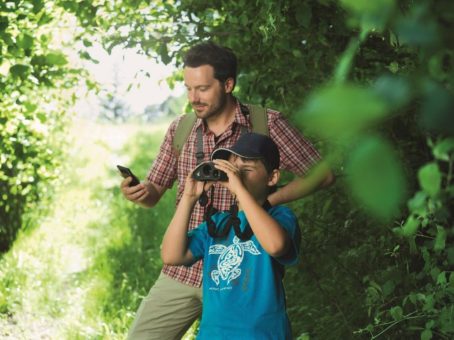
x: 297, y: 156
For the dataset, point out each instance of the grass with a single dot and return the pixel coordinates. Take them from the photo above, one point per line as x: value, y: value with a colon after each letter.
x: 83, y: 272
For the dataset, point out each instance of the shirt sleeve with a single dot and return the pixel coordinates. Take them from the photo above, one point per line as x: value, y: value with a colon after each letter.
x: 164, y: 169
x: 298, y: 155
x: 197, y: 240
x: 287, y: 220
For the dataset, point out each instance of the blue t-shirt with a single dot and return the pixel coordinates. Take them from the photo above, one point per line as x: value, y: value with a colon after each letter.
x: 243, y: 294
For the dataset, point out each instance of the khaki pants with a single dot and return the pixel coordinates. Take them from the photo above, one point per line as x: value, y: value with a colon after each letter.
x: 167, y: 312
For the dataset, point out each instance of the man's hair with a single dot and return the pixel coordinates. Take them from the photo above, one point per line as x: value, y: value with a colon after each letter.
x: 222, y: 59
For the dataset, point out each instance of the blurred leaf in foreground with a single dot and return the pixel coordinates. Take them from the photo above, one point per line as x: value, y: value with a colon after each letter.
x: 437, y: 109
x: 341, y: 111
x: 376, y: 177
x: 395, y: 91
x: 372, y: 15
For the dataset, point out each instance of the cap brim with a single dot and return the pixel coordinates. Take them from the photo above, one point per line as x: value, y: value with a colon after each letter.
x: 224, y: 153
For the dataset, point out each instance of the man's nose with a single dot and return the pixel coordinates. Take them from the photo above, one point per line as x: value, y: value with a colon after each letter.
x: 193, y: 96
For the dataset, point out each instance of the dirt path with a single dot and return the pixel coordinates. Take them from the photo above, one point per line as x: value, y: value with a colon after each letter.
x: 47, y: 266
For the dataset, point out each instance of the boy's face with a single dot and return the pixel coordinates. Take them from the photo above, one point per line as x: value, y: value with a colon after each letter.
x: 254, y: 176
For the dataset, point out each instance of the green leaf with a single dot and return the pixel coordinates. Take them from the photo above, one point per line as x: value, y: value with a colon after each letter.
x: 441, y: 278
x: 447, y: 318
x: 440, y: 239
x: 437, y: 109
x: 444, y: 149
x: 393, y: 67
x: 426, y: 334
x: 418, y: 203
x: 87, y: 43
x: 416, y: 30
x: 25, y: 41
x: 395, y: 91
x: 434, y: 272
x: 410, y: 227
x: 430, y: 178
x: 164, y: 54
x: 396, y: 313
x: 19, y: 70
x: 37, y: 5
x: 450, y: 255
x: 341, y: 111
x: 56, y: 58
x: 388, y: 287
x: 376, y: 177
x: 4, y: 21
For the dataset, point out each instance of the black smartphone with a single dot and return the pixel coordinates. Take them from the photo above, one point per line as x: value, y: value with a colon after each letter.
x: 126, y: 172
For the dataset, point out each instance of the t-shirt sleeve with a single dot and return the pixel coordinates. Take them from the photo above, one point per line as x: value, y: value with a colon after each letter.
x: 287, y: 220
x: 164, y: 169
x: 298, y: 155
x: 197, y: 240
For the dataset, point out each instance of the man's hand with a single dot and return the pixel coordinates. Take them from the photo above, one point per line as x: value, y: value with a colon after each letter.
x: 146, y: 194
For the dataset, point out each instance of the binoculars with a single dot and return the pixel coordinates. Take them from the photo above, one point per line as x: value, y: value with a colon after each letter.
x: 207, y: 172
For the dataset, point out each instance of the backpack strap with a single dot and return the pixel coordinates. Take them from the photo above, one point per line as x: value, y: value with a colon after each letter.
x: 257, y: 114
x: 199, y: 155
x: 182, y: 132
x: 259, y: 119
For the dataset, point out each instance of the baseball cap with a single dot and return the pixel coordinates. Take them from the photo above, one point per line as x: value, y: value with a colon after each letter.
x: 252, y: 145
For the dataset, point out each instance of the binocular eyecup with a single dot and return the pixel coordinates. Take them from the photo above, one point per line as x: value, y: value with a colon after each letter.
x: 206, y: 171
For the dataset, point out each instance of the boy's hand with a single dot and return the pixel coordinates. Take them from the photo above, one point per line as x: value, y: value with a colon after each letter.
x: 193, y: 189
x: 233, y: 173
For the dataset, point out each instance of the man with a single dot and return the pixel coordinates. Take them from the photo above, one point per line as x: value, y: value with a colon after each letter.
x: 174, y: 302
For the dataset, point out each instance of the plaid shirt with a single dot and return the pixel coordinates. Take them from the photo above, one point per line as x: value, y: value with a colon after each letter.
x: 297, y: 156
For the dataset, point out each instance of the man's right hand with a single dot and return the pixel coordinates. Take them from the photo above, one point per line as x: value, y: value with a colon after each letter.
x: 146, y: 194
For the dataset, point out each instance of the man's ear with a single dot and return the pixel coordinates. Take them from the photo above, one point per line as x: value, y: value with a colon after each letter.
x: 274, y: 177
x: 229, y: 85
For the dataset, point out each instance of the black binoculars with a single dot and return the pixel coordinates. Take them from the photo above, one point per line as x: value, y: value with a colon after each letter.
x: 207, y: 172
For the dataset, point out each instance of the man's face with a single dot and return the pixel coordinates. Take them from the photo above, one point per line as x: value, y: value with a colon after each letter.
x: 206, y: 94
x: 253, y: 175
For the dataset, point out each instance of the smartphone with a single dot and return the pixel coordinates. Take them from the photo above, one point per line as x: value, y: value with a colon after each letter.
x: 126, y: 172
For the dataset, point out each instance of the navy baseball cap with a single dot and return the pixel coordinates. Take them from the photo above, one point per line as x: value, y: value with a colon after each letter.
x: 252, y: 146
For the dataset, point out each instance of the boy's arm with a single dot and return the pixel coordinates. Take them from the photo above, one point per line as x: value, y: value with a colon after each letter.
x: 174, y: 249
x: 271, y: 236
x: 320, y: 177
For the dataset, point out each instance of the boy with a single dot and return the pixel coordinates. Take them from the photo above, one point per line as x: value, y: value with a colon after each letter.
x: 244, y: 255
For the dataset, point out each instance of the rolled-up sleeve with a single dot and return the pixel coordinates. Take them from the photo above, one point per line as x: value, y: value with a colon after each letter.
x: 288, y: 221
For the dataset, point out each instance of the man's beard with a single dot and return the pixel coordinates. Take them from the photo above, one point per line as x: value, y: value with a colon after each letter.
x: 221, y: 104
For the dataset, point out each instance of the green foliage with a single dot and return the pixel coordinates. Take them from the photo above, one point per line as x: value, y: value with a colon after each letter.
x: 371, y: 81
x: 375, y: 176
x: 33, y: 79
x: 129, y: 259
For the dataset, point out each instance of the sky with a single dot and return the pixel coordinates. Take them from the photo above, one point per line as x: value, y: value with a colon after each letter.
x: 125, y: 67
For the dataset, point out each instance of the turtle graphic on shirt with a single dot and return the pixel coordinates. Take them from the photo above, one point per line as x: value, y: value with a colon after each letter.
x: 230, y: 259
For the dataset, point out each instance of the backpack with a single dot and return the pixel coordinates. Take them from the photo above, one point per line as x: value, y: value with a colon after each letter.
x: 257, y: 115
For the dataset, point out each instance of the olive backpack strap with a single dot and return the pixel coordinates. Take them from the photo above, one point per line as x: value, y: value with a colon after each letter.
x: 257, y: 115
x: 182, y: 132
x: 259, y: 119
